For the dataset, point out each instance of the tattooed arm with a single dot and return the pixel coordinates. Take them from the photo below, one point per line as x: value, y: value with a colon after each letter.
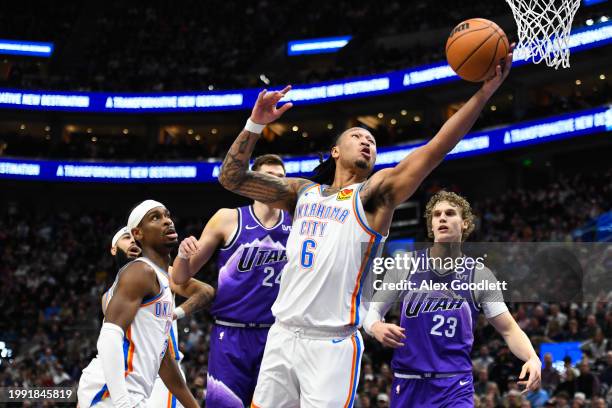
x: 235, y: 174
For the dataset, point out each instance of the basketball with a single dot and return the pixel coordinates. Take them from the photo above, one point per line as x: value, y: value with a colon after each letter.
x: 474, y: 47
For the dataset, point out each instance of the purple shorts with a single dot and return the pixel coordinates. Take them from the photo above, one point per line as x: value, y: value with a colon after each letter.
x: 233, y: 365
x: 453, y: 392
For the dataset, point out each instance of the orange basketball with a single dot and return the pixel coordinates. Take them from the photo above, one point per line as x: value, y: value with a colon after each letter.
x: 475, y: 47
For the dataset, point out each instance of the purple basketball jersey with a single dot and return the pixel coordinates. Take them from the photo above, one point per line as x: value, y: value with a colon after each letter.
x: 250, y: 268
x: 439, y: 324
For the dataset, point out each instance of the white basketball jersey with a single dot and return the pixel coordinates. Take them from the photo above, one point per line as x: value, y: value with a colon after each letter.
x: 329, y: 252
x: 144, y: 344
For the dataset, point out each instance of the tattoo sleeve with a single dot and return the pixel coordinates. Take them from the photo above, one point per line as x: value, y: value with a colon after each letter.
x: 199, y: 299
x: 236, y: 176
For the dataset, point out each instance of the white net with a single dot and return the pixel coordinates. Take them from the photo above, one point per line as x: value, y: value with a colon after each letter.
x: 544, y: 27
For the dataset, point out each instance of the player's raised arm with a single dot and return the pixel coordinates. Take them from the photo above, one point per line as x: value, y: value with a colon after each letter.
x: 235, y: 174
x: 400, y: 182
x: 136, y: 282
x: 194, y: 253
x: 171, y: 376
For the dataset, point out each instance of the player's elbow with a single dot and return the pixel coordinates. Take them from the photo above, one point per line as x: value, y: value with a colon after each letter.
x: 179, y: 276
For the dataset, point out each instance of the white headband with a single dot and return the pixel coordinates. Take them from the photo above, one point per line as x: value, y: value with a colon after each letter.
x: 119, y: 234
x: 140, y: 211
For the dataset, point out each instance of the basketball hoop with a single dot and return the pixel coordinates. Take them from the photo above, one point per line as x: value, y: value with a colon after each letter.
x: 544, y: 27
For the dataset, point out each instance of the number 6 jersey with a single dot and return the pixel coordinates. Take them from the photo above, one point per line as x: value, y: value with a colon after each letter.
x: 329, y: 252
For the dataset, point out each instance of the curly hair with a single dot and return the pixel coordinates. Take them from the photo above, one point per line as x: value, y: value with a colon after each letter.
x: 457, y: 201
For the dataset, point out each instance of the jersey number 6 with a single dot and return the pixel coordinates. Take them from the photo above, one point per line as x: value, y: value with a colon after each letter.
x: 307, y: 256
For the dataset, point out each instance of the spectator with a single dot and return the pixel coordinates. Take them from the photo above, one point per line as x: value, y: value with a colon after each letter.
x: 568, y: 385
x: 606, y: 375
x: 480, y: 387
x: 550, y: 376
x: 597, y: 346
x: 598, y: 402
x: 493, y: 390
x: 514, y: 399
x: 538, y: 397
x: 572, y: 333
x: 382, y: 401
x: 557, y: 315
x: 587, y: 383
x: 484, y: 360
x: 562, y: 400
x: 590, y: 327
x: 579, y: 400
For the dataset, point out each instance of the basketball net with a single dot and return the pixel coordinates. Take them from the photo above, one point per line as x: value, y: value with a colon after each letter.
x: 544, y: 27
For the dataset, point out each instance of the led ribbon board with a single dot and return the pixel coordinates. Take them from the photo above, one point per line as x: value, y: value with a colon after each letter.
x: 28, y: 48
x: 317, y: 45
x: 359, y: 87
x: 504, y: 138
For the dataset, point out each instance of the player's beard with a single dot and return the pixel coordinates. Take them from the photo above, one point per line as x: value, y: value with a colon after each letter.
x: 361, y: 164
x: 121, y: 259
x: 172, y: 245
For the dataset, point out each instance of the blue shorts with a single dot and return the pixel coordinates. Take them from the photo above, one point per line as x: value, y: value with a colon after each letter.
x: 452, y: 392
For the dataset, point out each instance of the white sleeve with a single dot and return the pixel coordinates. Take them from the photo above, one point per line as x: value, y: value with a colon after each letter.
x: 491, y: 301
x: 110, y: 350
x: 384, y: 299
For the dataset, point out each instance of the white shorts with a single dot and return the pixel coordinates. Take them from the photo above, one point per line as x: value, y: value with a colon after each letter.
x: 107, y: 403
x: 87, y: 390
x: 304, y: 368
x: 161, y: 397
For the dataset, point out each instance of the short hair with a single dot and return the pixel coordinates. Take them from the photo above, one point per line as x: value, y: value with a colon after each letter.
x: 268, y: 159
x: 455, y: 199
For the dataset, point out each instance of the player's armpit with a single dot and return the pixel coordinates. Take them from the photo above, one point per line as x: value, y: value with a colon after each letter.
x: 390, y: 187
x: 172, y: 378
x: 136, y: 281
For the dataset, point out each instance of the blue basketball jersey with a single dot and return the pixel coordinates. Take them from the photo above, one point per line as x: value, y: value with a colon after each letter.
x: 439, y: 323
x: 250, y: 268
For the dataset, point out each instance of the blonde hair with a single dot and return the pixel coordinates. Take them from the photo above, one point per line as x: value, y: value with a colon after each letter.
x: 457, y: 201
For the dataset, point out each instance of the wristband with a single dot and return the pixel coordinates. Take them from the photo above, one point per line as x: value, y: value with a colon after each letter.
x: 181, y: 255
x: 253, y: 127
x: 179, y: 312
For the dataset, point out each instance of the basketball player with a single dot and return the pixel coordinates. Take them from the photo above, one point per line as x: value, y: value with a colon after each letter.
x: 198, y: 294
x: 134, y: 336
x: 251, y: 242
x: 123, y: 247
x: 313, y: 353
x: 431, y: 362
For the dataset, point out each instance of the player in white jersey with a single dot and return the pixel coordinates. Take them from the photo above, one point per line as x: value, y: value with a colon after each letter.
x: 313, y: 352
x: 198, y: 294
x: 134, y: 336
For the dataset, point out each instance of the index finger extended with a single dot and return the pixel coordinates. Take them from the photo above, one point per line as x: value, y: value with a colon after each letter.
x: 285, y: 90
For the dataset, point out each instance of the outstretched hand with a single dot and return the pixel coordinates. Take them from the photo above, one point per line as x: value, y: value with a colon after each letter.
x: 265, y: 110
x: 501, y: 73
